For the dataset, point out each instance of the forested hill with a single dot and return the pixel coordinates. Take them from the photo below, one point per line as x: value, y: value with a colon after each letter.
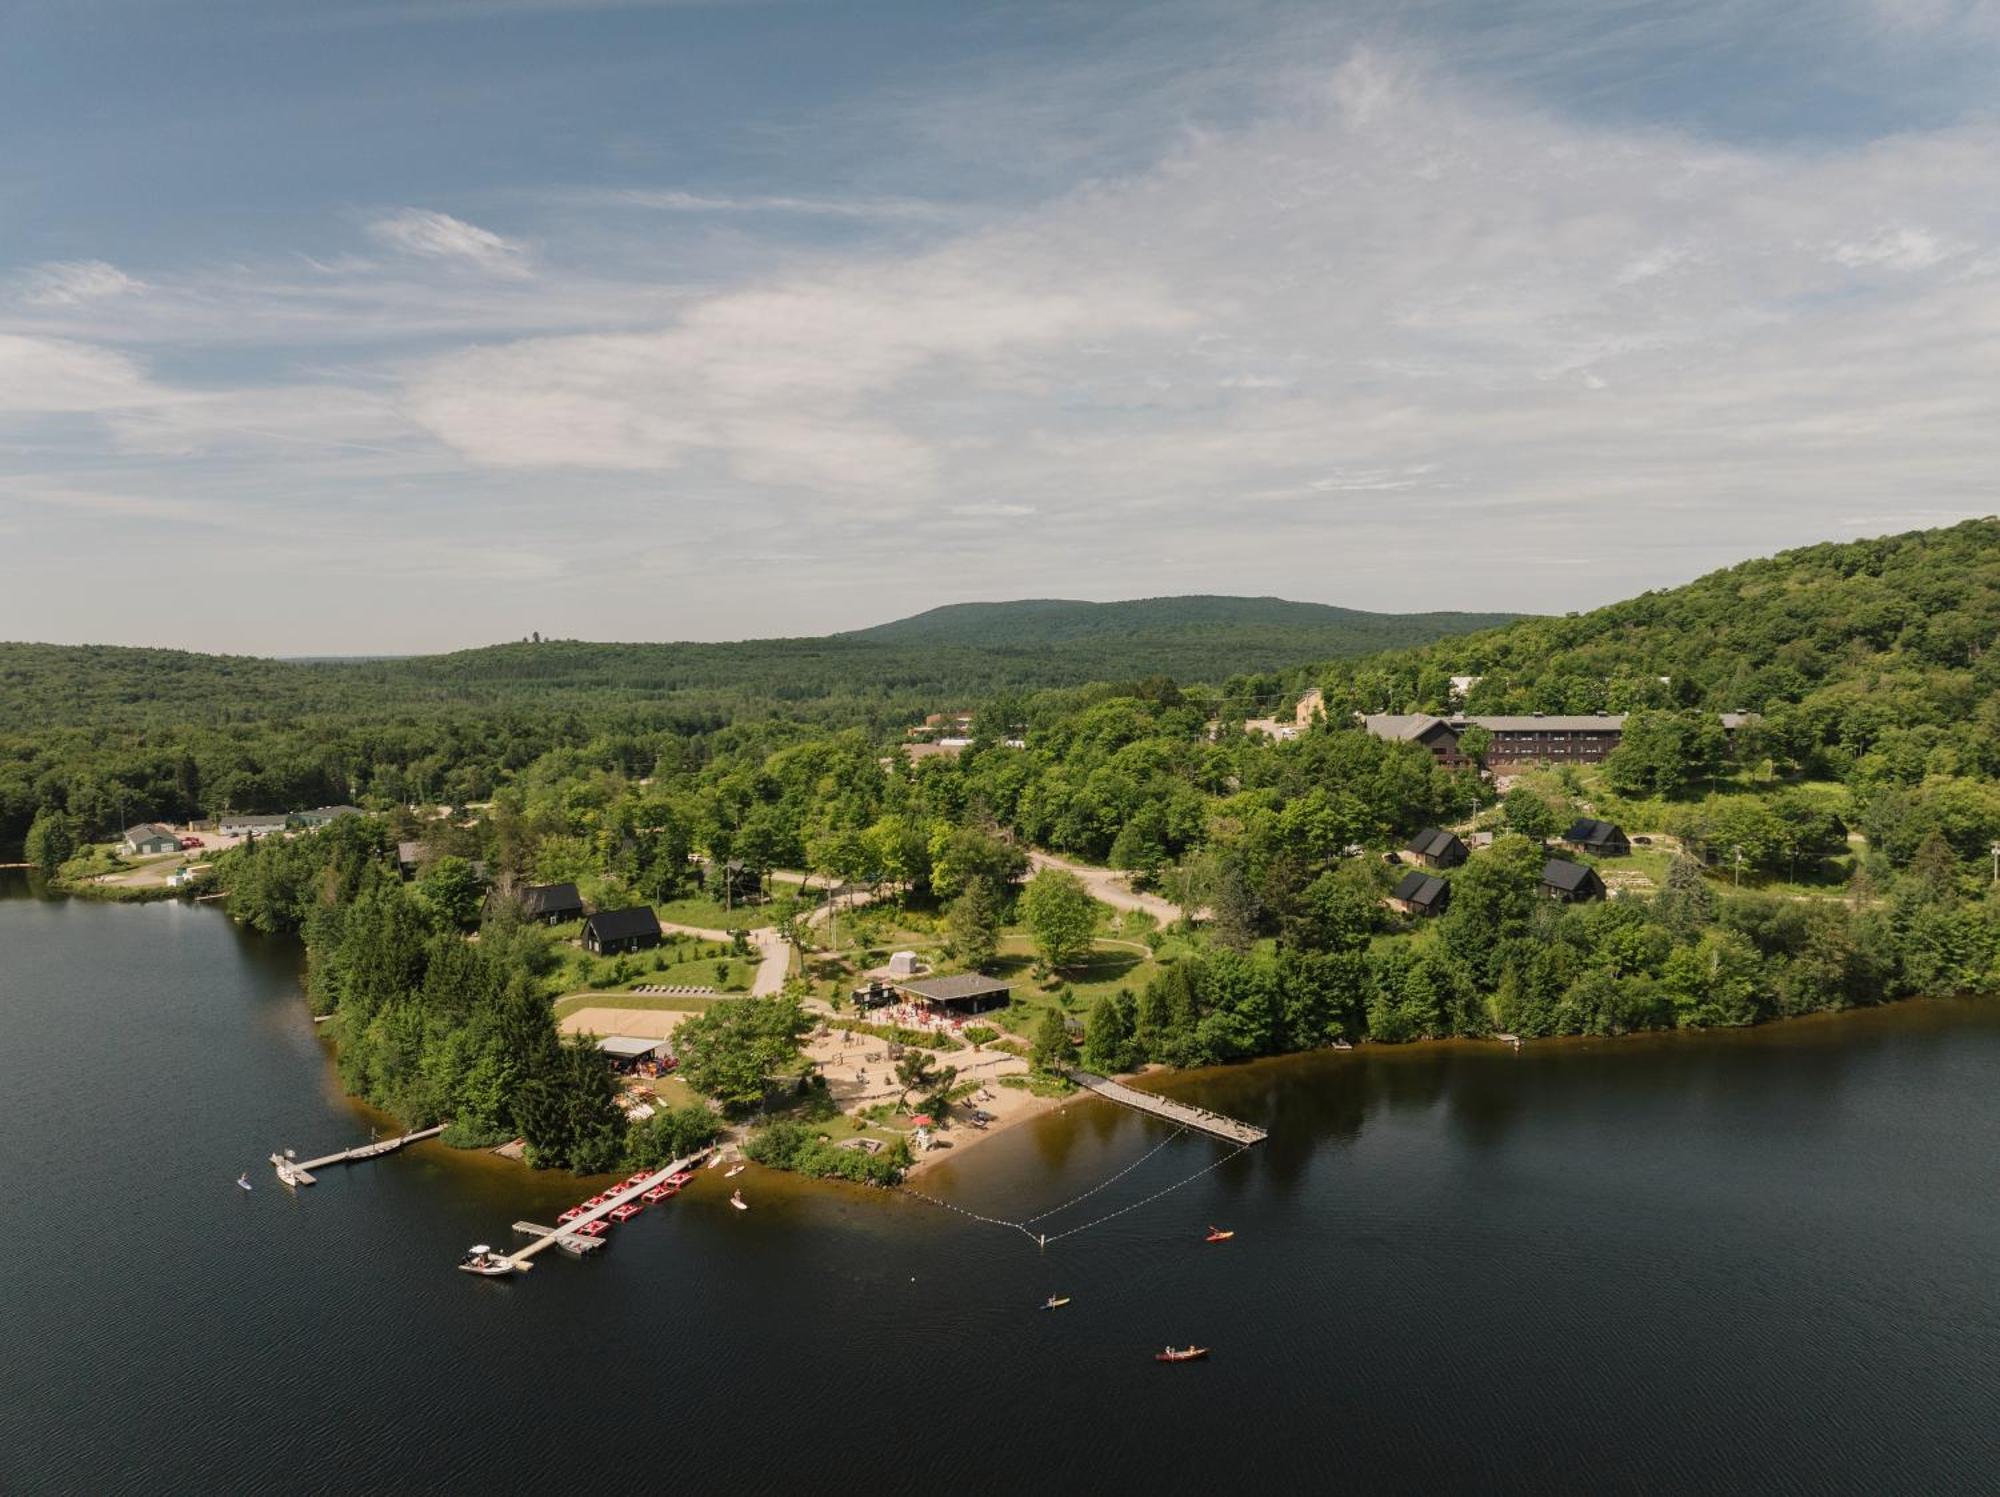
x: 871, y: 679
x: 1863, y: 645
x: 1228, y: 635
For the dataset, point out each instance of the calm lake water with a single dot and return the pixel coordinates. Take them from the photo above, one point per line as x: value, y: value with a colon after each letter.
x: 1756, y: 1261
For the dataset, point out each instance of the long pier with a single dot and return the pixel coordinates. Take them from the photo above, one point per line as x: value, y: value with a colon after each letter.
x: 1198, y: 1118
x: 299, y: 1171
x: 610, y: 1203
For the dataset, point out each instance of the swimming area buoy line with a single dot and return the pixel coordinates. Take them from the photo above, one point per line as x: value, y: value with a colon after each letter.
x: 1042, y: 1239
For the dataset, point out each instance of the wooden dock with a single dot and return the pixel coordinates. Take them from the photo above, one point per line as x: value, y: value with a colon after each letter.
x: 569, y: 1243
x: 299, y: 1171
x: 1199, y: 1118
x: 617, y: 1198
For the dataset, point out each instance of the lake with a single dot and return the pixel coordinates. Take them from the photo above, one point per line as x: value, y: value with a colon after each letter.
x: 1678, y: 1264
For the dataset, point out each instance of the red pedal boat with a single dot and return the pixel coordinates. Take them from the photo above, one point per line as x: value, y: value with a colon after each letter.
x: 1181, y: 1354
x: 593, y: 1229
x: 570, y: 1215
x: 626, y: 1212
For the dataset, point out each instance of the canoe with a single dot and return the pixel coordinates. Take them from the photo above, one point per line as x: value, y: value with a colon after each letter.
x: 1181, y: 1354
x: 1056, y: 1304
x: 1216, y: 1235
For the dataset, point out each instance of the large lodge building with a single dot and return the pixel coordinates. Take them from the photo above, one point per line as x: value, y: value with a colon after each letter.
x: 1536, y: 739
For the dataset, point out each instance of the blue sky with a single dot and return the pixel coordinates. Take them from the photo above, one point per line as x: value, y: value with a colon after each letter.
x: 360, y: 326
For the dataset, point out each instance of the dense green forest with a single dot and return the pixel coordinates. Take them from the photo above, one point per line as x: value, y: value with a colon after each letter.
x: 1837, y: 853
x: 106, y: 734
x: 1205, y: 638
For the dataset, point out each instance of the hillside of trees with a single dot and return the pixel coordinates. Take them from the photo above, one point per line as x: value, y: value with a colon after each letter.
x: 1837, y: 853
x: 1198, y: 637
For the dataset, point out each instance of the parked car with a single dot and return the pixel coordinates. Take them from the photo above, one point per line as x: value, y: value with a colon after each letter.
x: 190, y: 843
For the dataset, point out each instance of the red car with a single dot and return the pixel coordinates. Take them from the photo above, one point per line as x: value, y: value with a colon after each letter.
x: 626, y: 1212
x: 191, y: 843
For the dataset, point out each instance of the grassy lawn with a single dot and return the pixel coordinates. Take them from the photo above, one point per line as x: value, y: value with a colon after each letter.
x: 1108, y: 968
x: 599, y: 998
x: 683, y: 963
x: 709, y: 914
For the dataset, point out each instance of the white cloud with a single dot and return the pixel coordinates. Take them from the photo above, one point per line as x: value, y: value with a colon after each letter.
x: 65, y: 283
x: 1904, y: 248
x: 52, y: 375
x: 439, y: 236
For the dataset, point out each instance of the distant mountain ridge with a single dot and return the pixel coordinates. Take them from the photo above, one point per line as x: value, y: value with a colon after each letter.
x: 1259, y: 626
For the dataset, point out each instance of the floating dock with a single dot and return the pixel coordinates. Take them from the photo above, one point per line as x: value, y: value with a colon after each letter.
x: 569, y: 1243
x: 1198, y: 1118
x: 564, y: 1234
x: 299, y: 1171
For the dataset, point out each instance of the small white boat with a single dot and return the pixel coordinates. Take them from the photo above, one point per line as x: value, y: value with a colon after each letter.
x: 716, y: 1162
x: 484, y: 1261
x: 733, y: 1171
x: 736, y: 1200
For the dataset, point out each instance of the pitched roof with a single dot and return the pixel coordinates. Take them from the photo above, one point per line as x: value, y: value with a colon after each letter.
x: 146, y: 829
x: 1592, y: 722
x: 618, y: 925
x: 1560, y: 873
x: 1405, y: 726
x: 1418, y: 887
x: 1433, y: 842
x: 947, y: 989
x: 409, y: 852
x: 546, y: 899
x: 1588, y: 831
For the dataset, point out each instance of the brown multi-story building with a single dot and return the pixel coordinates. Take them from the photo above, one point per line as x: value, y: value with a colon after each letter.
x: 1535, y: 739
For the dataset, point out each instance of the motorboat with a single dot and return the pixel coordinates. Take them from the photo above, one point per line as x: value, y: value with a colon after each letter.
x: 1181, y: 1354
x: 1216, y: 1234
x: 484, y: 1261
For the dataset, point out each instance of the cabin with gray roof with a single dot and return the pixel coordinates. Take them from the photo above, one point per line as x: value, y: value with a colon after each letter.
x: 1601, y: 838
x: 615, y: 932
x: 552, y: 904
x: 151, y: 837
x: 1436, y: 848
x: 1570, y: 882
x: 1420, y: 893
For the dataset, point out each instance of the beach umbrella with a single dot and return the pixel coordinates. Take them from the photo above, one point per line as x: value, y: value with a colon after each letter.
x: 922, y: 1120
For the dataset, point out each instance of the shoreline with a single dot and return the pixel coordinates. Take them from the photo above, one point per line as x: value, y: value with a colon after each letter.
x: 1819, y: 1026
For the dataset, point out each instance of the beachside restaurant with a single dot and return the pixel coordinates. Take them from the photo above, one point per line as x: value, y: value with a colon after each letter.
x: 632, y: 1052
x: 955, y: 996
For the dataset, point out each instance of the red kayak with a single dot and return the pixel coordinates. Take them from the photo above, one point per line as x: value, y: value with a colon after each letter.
x: 1181, y: 1354
x: 1216, y: 1234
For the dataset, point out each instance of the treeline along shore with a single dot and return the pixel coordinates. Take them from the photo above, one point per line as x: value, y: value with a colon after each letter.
x: 1838, y: 847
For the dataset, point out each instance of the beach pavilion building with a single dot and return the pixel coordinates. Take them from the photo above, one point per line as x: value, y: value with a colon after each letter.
x: 955, y: 996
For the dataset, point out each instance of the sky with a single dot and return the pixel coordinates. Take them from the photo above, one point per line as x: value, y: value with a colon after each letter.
x: 353, y: 326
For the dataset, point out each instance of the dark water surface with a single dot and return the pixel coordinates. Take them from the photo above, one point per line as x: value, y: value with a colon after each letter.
x: 1757, y: 1261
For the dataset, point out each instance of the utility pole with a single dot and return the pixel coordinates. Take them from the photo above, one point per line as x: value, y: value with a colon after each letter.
x: 1737, y: 853
x: 1996, y: 862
